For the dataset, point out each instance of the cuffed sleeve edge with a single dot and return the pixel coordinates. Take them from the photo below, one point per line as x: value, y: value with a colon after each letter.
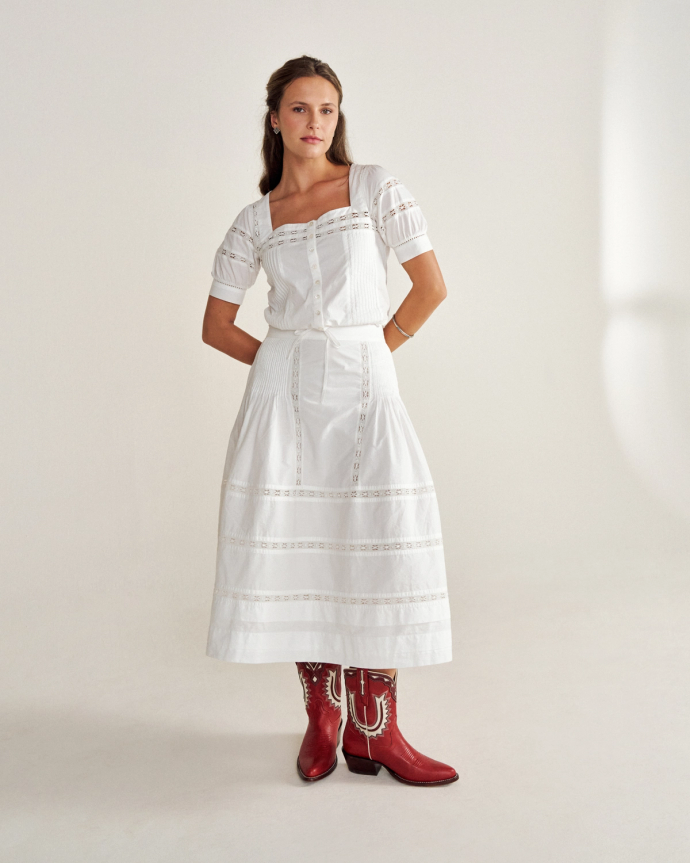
x: 411, y: 248
x: 229, y: 293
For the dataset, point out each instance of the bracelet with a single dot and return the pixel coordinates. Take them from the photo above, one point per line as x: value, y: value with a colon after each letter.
x: 407, y: 335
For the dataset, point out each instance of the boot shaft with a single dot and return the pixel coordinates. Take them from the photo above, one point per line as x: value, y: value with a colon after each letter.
x: 371, y: 707
x: 321, y: 687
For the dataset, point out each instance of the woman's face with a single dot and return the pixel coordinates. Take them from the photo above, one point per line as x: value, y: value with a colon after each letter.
x: 307, y: 117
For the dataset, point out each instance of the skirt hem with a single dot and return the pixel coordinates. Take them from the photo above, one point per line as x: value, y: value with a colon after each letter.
x: 410, y: 660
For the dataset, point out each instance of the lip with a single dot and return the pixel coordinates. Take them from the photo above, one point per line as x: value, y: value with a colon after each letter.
x: 311, y: 139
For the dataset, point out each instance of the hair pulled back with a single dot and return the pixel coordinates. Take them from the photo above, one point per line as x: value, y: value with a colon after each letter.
x: 272, y: 149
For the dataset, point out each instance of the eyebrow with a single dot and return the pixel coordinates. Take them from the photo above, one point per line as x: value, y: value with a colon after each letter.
x: 297, y: 102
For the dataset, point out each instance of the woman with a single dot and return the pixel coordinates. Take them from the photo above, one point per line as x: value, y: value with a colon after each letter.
x: 329, y: 542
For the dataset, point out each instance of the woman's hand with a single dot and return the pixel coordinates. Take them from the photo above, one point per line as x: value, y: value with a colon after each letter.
x: 219, y: 331
x: 427, y: 292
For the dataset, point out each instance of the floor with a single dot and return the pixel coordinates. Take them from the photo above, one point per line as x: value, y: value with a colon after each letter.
x: 566, y: 712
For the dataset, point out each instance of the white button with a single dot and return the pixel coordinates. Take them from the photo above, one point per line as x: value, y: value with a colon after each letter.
x: 311, y: 250
x: 311, y: 237
x: 318, y: 312
x: 313, y: 266
x: 317, y: 282
x: 317, y: 296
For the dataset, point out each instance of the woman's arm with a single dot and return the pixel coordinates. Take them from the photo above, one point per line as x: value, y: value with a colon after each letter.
x: 219, y: 331
x: 427, y: 292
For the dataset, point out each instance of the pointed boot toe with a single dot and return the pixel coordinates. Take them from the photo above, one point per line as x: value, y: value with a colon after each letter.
x: 322, y: 699
x: 314, y: 771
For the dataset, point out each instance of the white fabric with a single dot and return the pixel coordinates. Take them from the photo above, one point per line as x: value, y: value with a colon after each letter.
x: 330, y: 271
x: 329, y: 538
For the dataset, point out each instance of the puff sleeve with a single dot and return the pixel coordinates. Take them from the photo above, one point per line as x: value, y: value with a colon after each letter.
x: 399, y: 219
x: 237, y: 263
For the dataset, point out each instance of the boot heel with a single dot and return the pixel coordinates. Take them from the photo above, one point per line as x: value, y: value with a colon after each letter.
x: 365, y: 766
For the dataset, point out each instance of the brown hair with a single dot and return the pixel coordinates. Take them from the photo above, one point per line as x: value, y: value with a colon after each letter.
x: 272, y: 148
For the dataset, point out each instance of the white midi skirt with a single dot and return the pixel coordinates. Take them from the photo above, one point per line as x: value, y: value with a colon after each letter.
x: 329, y: 538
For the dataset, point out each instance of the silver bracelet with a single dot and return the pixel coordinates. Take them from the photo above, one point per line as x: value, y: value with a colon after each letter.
x: 407, y: 335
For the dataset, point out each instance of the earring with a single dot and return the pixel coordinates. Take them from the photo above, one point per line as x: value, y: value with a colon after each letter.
x: 276, y: 130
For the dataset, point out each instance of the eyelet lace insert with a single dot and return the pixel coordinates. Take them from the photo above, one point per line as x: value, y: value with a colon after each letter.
x: 307, y: 493
x: 243, y: 234
x: 298, y: 422
x: 364, y: 406
x: 342, y: 598
x: 255, y: 214
x: 404, y: 205
x: 382, y: 218
x: 387, y: 185
x: 346, y: 222
x: 410, y: 239
x: 343, y: 547
x: 236, y: 257
x: 236, y: 287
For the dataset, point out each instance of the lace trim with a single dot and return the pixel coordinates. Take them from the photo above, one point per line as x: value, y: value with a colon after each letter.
x: 410, y: 240
x: 299, y: 234
x: 388, y: 185
x: 362, y: 411
x: 228, y: 285
x: 236, y: 257
x: 353, y: 215
x: 383, y: 547
x: 329, y: 494
x: 382, y: 218
x: 405, y: 205
x: 341, y: 598
x: 306, y: 226
x: 255, y: 213
x: 294, y: 391
x: 243, y: 234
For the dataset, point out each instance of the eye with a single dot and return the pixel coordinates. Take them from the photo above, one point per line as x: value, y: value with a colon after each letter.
x: 328, y: 110
x: 298, y: 108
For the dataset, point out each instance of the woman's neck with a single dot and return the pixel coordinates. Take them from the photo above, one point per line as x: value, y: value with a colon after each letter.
x: 300, y: 175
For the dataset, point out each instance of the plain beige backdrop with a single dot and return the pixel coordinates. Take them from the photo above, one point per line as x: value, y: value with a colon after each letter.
x: 132, y: 136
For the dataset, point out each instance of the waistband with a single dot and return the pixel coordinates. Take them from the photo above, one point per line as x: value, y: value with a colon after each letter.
x: 359, y: 332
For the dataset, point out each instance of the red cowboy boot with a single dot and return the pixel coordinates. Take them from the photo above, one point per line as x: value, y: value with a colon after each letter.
x: 372, y: 737
x: 322, y: 699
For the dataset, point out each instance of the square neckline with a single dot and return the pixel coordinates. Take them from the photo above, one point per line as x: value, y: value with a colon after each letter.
x: 302, y: 224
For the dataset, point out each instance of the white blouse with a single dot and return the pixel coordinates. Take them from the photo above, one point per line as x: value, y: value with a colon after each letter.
x: 330, y: 271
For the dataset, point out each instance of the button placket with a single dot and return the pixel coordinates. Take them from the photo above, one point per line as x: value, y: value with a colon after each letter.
x: 317, y: 304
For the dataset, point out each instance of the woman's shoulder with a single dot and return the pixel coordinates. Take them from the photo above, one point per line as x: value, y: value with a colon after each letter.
x: 374, y: 175
x: 247, y: 214
x: 376, y: 179
x: 249, y: 221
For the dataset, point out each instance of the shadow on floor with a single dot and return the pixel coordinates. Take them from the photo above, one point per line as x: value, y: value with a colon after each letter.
x: 77, y: 758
